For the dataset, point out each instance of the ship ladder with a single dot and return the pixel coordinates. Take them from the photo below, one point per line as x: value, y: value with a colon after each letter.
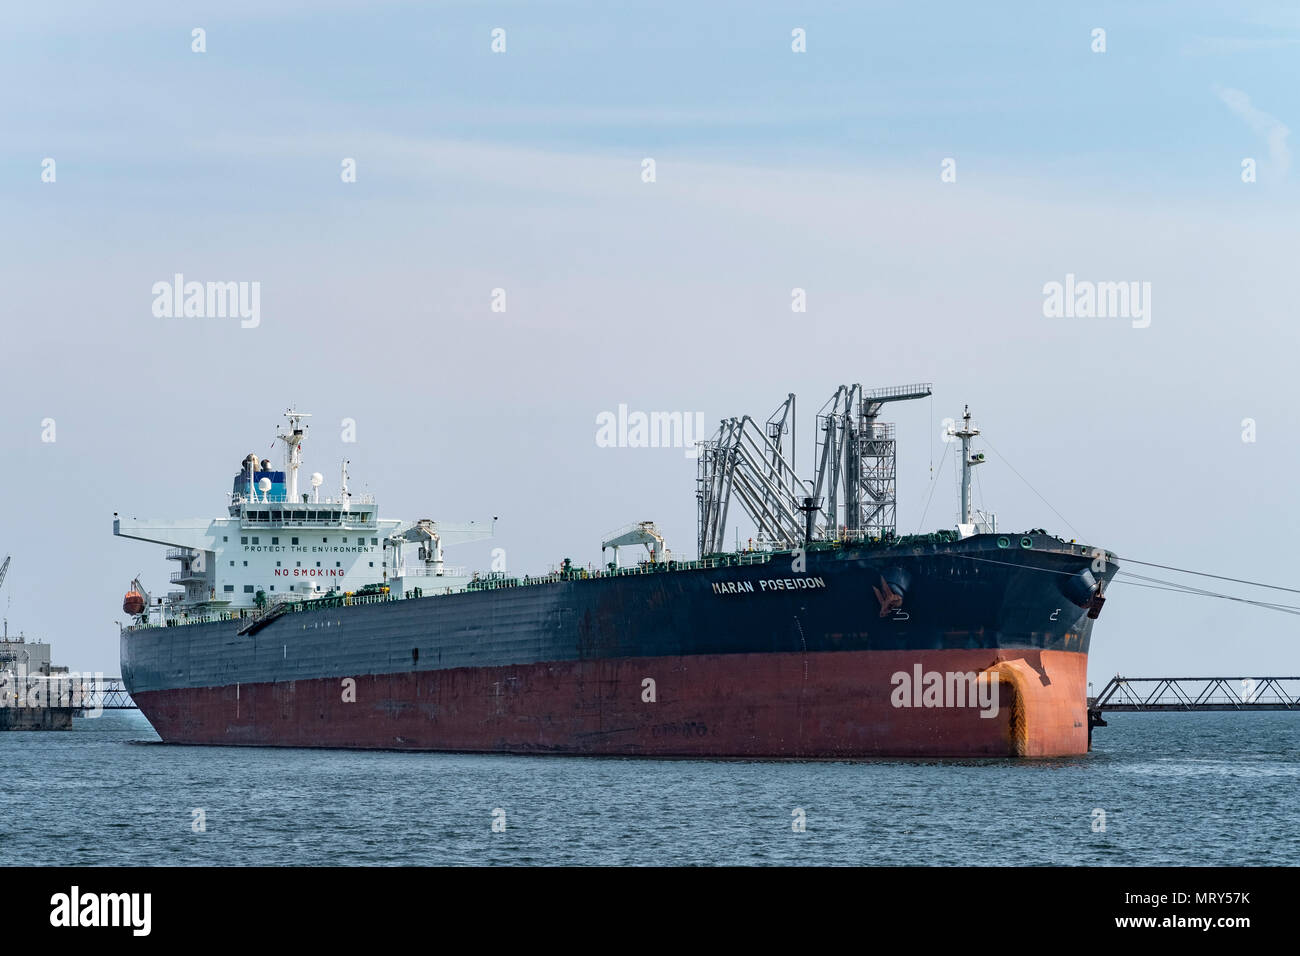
x: 253, y: 625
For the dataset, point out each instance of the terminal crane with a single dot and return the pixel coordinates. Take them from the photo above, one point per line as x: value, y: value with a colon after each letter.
x: 851, y: 496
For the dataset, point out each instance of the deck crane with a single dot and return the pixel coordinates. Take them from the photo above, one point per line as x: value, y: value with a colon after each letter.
x: 643, y: 532
x: 431, y: 535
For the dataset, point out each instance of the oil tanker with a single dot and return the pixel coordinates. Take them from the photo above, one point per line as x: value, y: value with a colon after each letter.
x: 303, y: 621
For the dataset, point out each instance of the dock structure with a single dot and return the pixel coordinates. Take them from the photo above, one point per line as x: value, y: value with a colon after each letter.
x: 50, y: 701
x: 1185, y: 694
x: 109, y: 693
x: 1191, y: 694
x: 36, y: 718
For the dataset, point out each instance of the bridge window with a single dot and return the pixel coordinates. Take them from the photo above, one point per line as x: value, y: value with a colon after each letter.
x: 275, y: 540
x: 293, y: 540
x: 248, y: 589
x: 256, y: 540
x: 229, y: 588
x: 243, y: 540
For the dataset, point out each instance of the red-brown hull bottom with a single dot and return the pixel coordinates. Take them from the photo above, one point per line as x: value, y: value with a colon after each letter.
x: 828, y: 705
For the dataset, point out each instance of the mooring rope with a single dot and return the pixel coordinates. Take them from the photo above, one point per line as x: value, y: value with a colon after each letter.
x: 1159, y: 583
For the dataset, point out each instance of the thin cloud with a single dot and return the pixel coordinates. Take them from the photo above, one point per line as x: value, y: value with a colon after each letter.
x: 1227, y: 46
x: 1271, y: 128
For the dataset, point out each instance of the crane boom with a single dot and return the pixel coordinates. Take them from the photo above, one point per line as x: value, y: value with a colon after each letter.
x: 431, y: 535
x: 643, y: 532
x: 896, y: 393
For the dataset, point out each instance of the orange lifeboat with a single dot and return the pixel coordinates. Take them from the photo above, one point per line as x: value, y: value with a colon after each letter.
x: 133, y: 603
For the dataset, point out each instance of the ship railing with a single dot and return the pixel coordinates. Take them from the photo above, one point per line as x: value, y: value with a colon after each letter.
x: 741, y: 558
x: 448, y: 571
x: 180, y: 577
x: 181, y: 554
x: 270, y: 499
x: 368, y: 526
x: 293, y: 604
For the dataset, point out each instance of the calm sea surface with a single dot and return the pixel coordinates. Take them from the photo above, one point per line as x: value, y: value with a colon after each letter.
x: 1176, y: 789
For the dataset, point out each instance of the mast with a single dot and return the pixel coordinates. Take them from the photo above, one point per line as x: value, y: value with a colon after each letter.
x: 968, y: 461
x: 4, y: 569
x: 293, y: 437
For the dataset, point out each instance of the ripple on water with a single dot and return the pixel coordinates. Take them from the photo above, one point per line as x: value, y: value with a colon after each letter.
x: 61, y: 793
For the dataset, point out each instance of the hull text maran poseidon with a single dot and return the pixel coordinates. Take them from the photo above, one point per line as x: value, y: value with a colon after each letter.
x: 298, y: 621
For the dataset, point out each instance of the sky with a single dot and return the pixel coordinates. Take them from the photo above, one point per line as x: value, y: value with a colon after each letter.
x: 774, y: 170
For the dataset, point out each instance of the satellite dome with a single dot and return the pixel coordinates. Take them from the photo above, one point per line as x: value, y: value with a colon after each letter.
x: 264, y: 485
x: 316, y: 479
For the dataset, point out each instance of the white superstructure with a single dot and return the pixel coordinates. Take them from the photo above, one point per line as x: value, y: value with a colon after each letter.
x: 278, y: 543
